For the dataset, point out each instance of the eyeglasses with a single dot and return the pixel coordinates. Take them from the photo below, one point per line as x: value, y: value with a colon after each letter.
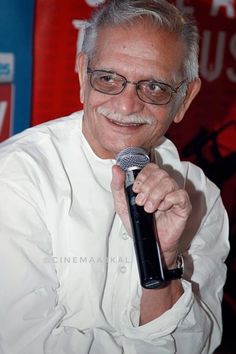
x: 148, y: 91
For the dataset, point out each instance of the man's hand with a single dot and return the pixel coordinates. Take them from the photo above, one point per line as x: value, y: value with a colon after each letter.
x: 158, y: 193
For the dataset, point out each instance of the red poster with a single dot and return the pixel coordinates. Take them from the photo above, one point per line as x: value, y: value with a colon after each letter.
x: 6, y: 109
x: 55, y: 82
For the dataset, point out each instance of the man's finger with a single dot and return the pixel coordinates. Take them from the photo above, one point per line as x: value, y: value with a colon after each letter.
x: 118, y: 178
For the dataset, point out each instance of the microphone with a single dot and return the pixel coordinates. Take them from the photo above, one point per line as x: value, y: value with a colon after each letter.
x: 132, y: 160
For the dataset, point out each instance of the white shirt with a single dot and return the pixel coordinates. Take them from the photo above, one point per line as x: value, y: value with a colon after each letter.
x: 68, y: 274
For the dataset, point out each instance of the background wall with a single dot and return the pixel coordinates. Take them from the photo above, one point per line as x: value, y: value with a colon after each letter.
x: 38, y: 43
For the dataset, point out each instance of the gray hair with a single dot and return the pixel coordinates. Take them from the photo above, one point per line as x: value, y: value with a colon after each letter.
x: 160, y: 13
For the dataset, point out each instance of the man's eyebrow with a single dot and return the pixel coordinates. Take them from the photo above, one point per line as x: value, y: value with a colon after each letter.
x: 92, y: 65
x: 159, y: 79
x: 151, y: 78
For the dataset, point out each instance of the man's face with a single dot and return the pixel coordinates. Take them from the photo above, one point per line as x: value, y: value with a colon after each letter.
x: 138, y: 53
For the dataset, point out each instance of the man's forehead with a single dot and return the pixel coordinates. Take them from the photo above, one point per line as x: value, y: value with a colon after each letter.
x: 138, y: 47
x: 136, y: 35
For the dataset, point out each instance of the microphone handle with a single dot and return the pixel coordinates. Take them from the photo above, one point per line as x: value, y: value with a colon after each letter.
x: 144, y: 234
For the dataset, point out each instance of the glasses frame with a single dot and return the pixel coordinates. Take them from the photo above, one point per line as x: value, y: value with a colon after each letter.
x: 173, y: 90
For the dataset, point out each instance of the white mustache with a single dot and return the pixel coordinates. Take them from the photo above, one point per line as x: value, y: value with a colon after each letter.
x: 120, y: 118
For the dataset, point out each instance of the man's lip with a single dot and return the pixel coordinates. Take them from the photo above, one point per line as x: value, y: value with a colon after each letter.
x: 124, y: 124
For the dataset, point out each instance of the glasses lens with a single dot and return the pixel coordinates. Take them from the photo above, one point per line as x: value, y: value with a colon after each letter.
x: 154, y: 92
x: 107, y: 82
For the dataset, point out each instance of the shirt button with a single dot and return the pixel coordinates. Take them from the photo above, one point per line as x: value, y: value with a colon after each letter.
x: 123, y: 269
x: 125, y: 236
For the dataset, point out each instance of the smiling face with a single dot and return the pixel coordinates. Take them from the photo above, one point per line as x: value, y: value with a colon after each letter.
x: 138, y: 53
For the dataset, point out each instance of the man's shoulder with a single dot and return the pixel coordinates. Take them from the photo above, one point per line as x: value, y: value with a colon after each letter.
x: 56, y: 129
x: 40, y: 144
x: 66, y: 122
x: 60, y: 127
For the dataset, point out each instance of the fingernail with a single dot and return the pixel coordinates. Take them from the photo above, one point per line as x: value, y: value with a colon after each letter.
x: 140, y: 198
x: 149, y: 206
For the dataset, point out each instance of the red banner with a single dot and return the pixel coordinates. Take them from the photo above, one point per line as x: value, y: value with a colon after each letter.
x: 6, y: 108
x: 55, y: 86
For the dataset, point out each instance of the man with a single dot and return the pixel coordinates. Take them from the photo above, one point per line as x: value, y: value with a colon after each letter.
x: 69, y: 279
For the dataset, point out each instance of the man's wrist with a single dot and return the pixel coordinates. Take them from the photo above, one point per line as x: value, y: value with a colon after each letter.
x: 177, y: 272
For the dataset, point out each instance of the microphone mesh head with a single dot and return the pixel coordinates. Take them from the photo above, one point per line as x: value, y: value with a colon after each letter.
x: 132, y: 157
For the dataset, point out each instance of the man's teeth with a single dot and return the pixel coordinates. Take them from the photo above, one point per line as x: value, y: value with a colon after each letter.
x: 125, y: 124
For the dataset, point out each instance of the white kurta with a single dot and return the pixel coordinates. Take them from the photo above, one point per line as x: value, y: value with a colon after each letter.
x: 68, y: 274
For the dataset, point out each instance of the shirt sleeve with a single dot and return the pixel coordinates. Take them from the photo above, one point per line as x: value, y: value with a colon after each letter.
x: 30, y: 314
x: 194, y: 324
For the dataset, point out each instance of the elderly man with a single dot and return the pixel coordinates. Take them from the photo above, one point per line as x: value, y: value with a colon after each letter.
x: 69, y: 277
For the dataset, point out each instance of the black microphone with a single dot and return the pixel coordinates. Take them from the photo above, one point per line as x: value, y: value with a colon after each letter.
x: 132, y: 160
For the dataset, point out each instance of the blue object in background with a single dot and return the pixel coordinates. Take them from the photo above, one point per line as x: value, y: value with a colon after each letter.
x: 16, y: 39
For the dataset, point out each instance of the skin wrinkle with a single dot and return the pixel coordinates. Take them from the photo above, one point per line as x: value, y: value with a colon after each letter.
x: 148, y: 52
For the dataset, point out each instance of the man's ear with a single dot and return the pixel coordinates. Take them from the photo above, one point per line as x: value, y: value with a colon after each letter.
x: 81, y: 68
x: 192, y: 91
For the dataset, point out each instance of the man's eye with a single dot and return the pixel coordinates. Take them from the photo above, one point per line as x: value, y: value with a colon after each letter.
x: 106, y: 78
x: 154, y: 87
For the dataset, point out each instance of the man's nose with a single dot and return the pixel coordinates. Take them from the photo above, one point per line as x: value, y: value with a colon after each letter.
x: 127, y: 102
